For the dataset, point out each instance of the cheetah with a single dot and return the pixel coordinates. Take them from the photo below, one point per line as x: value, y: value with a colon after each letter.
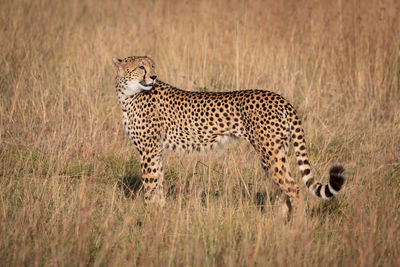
x: 157, y: 116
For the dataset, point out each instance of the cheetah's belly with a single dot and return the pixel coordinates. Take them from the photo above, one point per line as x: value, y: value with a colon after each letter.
x: 195, y: 143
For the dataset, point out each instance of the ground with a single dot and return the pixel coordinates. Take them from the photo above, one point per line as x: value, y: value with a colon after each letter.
x: 68, y: 175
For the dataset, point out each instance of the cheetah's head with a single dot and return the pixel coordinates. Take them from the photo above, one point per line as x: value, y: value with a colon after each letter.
x: 135, y: 74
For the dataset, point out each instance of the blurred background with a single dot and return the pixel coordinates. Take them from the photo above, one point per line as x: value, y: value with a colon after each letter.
x: 69, y: 179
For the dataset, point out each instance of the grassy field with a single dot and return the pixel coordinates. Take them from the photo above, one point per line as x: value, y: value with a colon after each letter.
x: 69, y: 179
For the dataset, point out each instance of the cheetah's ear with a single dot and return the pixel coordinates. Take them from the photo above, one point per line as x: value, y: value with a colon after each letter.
x: 117, y: 63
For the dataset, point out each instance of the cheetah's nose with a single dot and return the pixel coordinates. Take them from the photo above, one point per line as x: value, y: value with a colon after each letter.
x: 153, y: 77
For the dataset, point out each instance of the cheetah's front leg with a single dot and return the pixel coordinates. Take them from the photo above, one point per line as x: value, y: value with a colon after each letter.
x: 153, y: 177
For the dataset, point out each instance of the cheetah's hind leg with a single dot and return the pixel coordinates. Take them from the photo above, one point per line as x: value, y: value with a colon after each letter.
x: 288, y: 196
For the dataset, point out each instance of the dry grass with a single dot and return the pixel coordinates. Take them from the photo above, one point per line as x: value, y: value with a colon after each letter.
x: 64, y: 158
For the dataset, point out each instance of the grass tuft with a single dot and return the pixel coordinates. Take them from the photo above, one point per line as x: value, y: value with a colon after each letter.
x: 70, y: 191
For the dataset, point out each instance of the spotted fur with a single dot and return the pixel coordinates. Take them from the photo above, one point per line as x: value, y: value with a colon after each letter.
x: 158, y: 116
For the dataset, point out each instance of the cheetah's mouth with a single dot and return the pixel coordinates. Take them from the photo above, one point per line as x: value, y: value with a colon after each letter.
x: 134, y: 87
x: 146, y: 86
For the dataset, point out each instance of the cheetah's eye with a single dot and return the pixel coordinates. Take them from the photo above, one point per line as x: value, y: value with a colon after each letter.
x: 142, y: 67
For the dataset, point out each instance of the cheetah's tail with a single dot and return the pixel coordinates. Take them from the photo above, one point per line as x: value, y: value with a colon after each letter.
x: 336, y: 172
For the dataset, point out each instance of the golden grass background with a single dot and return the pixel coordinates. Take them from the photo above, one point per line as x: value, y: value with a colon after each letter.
x: 68, y: 173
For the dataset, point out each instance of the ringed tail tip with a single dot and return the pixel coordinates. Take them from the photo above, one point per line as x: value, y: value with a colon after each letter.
x: 336, y: 178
